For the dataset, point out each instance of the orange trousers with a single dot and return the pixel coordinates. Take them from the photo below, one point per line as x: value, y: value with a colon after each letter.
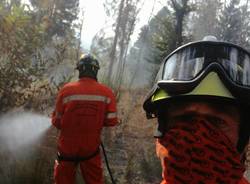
x: 92, y: 173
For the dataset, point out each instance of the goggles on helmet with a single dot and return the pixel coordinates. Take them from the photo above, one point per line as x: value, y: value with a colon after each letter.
x: 187, y: 66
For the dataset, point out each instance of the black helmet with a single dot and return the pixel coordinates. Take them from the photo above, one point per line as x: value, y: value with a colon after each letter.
x: 88, y: 66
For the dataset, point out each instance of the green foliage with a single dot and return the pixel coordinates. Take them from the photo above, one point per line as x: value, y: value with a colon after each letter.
x: 19, y: 39
x: 159, y: 38
x: 30, y: 53
x: 204, y: 21
x: 184, y: 21
x: 161, y: 33
x: 57, y: 15
x: 230, y: 22
x: 155, y: 40
x: 234, y: 24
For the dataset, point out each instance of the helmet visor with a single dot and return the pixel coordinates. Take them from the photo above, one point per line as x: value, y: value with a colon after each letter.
x: 188, y: 62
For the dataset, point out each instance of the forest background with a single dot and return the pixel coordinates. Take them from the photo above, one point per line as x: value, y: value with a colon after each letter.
x: 39, y: 48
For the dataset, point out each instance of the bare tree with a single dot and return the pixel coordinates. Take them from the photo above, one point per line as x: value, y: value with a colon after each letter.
x: 114, y: 45
x: 124, y: 27
x: 130, y: 14
x: 80, y: 35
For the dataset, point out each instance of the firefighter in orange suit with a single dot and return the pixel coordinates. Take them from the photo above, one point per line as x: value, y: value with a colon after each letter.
x: 83, y: 108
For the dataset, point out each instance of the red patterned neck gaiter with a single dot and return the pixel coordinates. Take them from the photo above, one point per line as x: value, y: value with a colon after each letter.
x: 198, y: 153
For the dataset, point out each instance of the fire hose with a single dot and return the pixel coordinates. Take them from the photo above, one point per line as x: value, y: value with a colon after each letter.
x: 107, y: 164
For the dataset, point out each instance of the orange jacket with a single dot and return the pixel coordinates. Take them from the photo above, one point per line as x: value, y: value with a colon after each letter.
x: 82, y: 109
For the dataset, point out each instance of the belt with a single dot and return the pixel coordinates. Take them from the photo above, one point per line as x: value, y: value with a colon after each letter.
x: 77, y: 159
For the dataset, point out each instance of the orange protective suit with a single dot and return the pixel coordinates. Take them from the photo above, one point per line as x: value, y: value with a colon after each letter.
x: 82, y: 109
x: 197, y: 152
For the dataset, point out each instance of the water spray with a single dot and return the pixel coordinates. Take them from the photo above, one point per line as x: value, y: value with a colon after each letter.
x: 20, y: 129
x: 21, y: 137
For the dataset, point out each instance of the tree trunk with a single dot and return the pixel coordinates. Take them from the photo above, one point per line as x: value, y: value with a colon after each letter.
x: 114, y: 45
x: 80, y: 38
x: 179, y: 29
x: 180, y: 11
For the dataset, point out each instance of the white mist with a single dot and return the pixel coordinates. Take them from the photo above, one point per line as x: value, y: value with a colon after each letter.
x: 21, y: 129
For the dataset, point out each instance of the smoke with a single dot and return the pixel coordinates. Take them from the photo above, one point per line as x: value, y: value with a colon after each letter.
x: 21, y: 129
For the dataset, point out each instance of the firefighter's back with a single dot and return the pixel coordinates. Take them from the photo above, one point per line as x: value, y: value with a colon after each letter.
x: 85, y: 106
